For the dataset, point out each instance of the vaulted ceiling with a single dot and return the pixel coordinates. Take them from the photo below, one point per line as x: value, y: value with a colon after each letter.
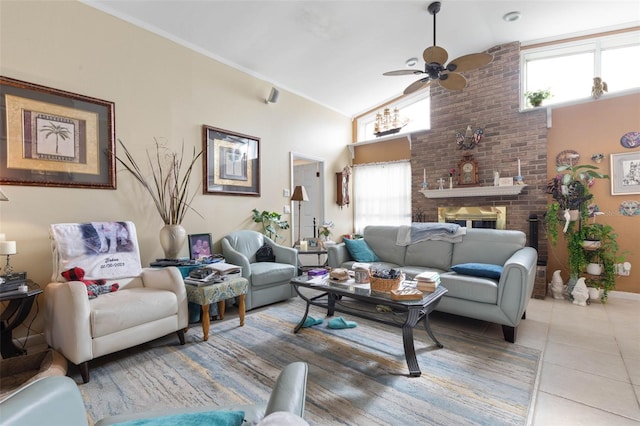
x: 334, y: 52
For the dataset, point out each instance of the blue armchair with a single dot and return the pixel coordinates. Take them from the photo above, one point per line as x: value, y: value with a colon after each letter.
x: 269, y: 282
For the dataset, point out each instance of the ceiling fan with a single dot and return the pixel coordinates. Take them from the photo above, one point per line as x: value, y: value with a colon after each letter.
x: 435, y: 57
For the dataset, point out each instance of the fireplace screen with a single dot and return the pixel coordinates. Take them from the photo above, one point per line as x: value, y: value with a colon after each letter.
x: 475, y: 217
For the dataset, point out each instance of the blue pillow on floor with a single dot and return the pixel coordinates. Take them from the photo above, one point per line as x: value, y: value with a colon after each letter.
x: 484, y: 270
x: 360, y: 250
x: 210, y: 418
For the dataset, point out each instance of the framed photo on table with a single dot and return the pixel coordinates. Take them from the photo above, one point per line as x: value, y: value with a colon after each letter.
x: 231, y: 163
x: 625, y: 173
x: 200, y: 246
x: 50, y: 137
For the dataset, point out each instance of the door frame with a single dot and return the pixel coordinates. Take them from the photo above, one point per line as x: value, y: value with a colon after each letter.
x: 296, y: 157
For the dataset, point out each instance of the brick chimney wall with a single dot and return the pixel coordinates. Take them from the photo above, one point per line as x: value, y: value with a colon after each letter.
x: 491, y: 102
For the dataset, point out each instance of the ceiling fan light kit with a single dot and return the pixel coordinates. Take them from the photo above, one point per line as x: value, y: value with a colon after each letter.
x: 435, y: 69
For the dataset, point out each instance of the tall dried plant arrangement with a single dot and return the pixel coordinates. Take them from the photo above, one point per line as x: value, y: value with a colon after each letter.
x: 169, y: 186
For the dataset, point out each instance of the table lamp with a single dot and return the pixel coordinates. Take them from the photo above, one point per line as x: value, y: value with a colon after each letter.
x: 299, y: 195
x: 7, y: 248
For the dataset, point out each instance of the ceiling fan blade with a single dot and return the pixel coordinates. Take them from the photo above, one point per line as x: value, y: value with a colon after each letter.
x: 470, y: 62
x: 453, y: 81
x: 403, y: 72
x: 417, y: 85
x: 435, y: 54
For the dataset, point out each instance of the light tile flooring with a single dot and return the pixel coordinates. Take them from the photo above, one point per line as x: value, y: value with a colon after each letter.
x: 590, y: 372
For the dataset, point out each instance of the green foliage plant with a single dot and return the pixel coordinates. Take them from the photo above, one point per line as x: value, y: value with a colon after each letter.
x: 606, y: 255
x: 536, y: 97
x: 271, y: 222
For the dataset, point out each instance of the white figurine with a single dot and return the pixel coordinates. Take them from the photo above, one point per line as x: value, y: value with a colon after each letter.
x: 580, y: 293
x: 557, y: 285
x: 496, y: 178
x: 567, y: 219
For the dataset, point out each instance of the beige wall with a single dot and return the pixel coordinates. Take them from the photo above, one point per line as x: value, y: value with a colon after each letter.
x: 590, y: 128
x: 160, y: 90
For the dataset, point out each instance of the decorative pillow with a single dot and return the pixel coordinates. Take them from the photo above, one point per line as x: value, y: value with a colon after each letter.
x: 484, y: 270
x: 265, y: 254
x: 211, y: 418
x: 360, y: 251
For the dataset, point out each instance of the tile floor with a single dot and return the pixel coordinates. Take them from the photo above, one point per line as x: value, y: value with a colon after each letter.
x: 590, y: 372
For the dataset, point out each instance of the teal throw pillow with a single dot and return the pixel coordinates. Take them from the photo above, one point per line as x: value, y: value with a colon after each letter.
x: 210, y: 418
x: 360, y: 251
x: 484, y: 270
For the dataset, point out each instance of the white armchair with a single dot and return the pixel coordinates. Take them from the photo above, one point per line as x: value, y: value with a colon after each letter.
x: 269, y: 282
x: 150, y: 303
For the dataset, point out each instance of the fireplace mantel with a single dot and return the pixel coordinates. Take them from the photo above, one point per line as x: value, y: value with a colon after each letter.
x: 473, y: 191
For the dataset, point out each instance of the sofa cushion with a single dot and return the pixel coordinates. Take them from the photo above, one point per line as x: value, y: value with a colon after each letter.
x: 360, y: 251
x: 124, y: 309
x: 382, y: 240
x: 431, y: 254
x: 484, y: 270
x: 267, y: 273
x: 476, y: 289
x: 488, y: 246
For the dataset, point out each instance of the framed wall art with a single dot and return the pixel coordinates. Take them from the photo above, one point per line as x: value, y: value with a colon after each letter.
x: 625, y: 173
x: 50, y: 137
x: 231, y: 163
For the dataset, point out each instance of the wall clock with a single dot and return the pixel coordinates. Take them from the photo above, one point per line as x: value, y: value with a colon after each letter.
x: 468, y: 171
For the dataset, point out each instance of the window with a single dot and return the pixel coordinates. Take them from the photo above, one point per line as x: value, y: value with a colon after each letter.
x: 382, y: 194
x: 568, y: 69
x: 416, y: 107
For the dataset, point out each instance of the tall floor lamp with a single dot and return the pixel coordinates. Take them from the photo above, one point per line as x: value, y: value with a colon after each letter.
x: 299, y: 195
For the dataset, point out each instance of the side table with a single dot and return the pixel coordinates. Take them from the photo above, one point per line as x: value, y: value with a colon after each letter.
x: 14, y: 314
x: 218, y: 292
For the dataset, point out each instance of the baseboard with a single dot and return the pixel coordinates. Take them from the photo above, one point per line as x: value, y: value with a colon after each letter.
x: 624, y: 295
x: 33, y: 342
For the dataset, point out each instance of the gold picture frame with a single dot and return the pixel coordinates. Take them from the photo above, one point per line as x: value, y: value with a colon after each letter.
x: 50, y: 137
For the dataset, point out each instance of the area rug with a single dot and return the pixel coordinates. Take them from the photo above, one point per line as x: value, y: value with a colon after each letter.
x: 357, y: 376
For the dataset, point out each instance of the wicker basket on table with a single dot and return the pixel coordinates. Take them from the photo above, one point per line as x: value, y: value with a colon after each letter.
x: 385, y: 285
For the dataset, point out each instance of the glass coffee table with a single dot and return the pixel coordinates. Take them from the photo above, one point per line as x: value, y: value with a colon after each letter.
x: 351, y: 299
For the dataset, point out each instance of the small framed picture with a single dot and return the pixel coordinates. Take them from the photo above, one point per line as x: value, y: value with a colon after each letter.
x: 625, y: 173
x: 200, y: 246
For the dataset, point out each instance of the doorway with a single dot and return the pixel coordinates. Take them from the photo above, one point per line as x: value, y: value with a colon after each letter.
x: 309, y: 172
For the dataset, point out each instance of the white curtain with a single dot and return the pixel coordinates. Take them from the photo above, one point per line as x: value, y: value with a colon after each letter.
x: 382, y: 194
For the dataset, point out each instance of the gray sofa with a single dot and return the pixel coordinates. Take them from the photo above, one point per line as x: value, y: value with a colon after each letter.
x: 56, y: 400
x: 502, y: 301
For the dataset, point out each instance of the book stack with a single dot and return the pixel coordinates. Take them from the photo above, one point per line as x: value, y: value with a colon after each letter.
x: 427, y: 282
x: 213, y: 273
x: 12, y: 282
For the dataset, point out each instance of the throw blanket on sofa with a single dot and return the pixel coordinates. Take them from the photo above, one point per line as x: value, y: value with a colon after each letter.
x: 106, y: 250
x: 417, y: 232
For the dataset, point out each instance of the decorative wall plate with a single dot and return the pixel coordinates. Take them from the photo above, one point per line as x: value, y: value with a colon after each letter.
x: 630, y: 140
x: 568, y: 156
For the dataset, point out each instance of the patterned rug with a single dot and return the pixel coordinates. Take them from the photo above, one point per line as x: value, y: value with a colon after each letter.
x: 357, y: 376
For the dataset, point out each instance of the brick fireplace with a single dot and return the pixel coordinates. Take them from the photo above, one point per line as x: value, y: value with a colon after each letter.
x: 490, y: 101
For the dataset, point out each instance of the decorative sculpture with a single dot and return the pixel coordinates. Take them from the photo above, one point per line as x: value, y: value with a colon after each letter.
x: 599, y: 87
x: 556, y: 285
x: 580, y: 293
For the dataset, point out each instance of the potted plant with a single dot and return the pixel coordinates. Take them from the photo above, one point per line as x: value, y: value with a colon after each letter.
x: 169, y: 188
x: 569, y: 190
x: 536, y: 97
x: 606, y: 255
x: 271, y: 223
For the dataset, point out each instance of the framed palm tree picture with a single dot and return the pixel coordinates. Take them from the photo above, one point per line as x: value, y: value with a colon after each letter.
x: 50, y: 137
